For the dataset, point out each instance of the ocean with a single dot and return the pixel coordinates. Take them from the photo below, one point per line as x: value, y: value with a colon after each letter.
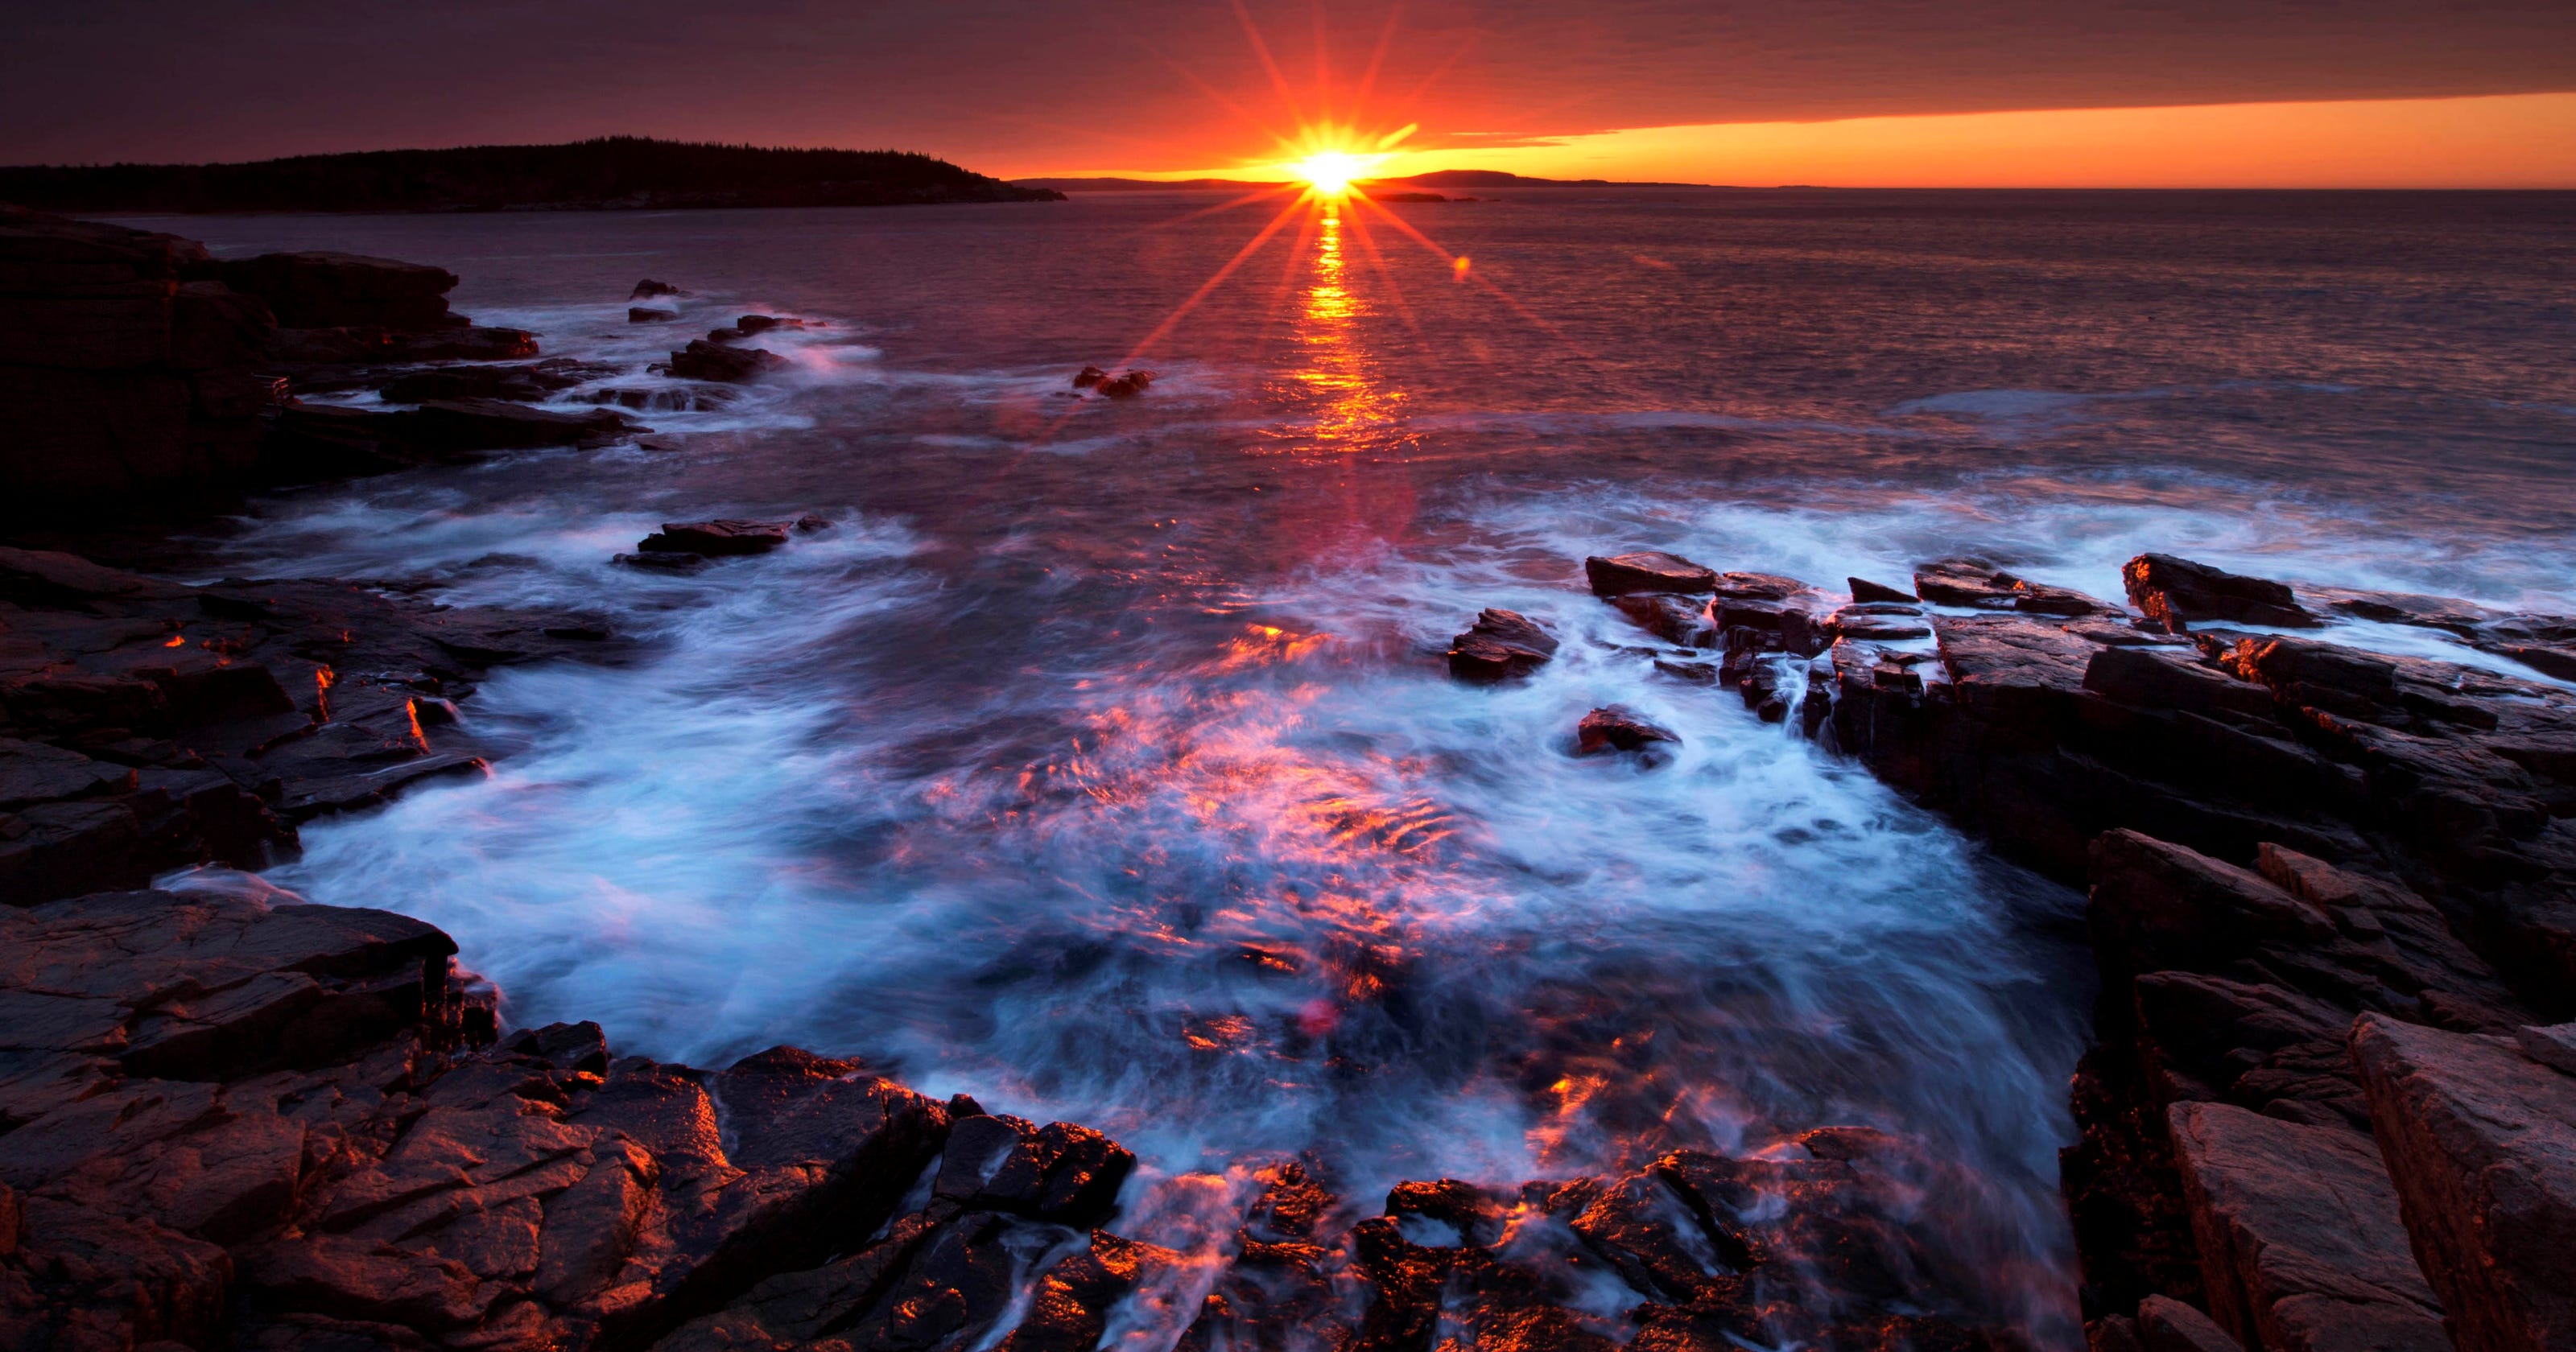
x: 1100, y: 760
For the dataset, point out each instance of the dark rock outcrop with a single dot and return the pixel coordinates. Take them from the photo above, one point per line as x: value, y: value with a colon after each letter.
x: 648, y: 289
x: 1501, y: 645
x: 322, y: 290
x: 2481, y: 1139
x: 1125, y: 385
x: 147, y: 726
x: 2176, y: 593
x: 326, y: 441
x: 124, y: 376
x: 521, y: 383
x: 1978, y: 583
x: 645, y: 314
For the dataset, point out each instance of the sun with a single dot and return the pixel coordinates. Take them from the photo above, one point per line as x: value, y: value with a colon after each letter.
x: 1330, y: 172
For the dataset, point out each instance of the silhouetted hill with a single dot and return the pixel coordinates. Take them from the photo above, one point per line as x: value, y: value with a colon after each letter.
x: 607, y: 173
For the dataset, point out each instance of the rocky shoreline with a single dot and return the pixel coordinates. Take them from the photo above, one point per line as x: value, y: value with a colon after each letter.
x: 2331, y: 1106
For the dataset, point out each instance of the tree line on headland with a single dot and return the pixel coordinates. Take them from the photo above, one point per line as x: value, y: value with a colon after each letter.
x: 604, y: 173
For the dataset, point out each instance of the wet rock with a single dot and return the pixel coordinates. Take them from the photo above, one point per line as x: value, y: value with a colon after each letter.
x: 2176, y: 592
x: 2481, y: 1142
x: 1674, y: 619
x: 565, y: 1046
x: 703, y: 360
x: 298, y: 350
x: 1865, y: 591
x: 661, y: 398
x: 449, y: 426
x: 1978, y: 583
x: 1071, y: 1308
x: 75, y: 1277
x: 2300, y: 1242
x: 1869, y: 624
x: 211, y: 987
x: 1126, y: 385
x: 1470, y: 1214
x: 1500, y: 645
x: 1088, y: 377
x: 719, y: 538
x: 1062, y: 1174
x: 648, y: 289
x: 521, y: 384
x: 645, y: 314
x: 1648, y: 571
x: 1616, y: 729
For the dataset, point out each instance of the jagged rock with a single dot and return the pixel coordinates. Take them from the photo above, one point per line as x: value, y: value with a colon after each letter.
x: 2176, y: 592
x: 1062, y: 1174
x: 1472, y: 1214
x: 73, y: 1277
x: 1616, y: 729
x: 1500, y: 645
x: 703, y: 360
x: 1088, y: 377
x: 1125, y: 386
x: 1071, y: 1308
x: 565, y: 1046
x: 1865, y: 591
x: 1647, y: 571
x: 2481, y: 1141
x: 2301, y: 1247
x: 1978, y: 583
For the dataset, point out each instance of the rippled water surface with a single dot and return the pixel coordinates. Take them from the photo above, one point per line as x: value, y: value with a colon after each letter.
x: 1100, y: 761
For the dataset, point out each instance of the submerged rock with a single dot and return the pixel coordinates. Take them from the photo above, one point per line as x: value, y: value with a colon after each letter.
x: 1088, y: 377
x: 1126, y: 386
x: 717, y: 538
x: 1500, y: 645
x: 645, y: 314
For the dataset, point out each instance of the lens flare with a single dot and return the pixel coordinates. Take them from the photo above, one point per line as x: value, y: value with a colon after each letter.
x: 1330, y: 172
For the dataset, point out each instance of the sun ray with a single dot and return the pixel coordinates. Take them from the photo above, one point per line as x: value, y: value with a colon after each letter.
x: 1250, y: 247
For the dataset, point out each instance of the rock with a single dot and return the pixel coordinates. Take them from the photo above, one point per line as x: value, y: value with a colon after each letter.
x: 2554, y: 1046
x: 645, y: 314
x: 1126, y: 386
x: 324, y: 290
x: 1863, y: 590
x: 300, y: 349
x: 749, y: 325
x: 1470, y: 1214
x: 565, y: 1046
x: 1647, y: 571
x: 213, y: 987
x: 1061, y: 1174
x: 2481, y: 1142
x: 2175, y: 592
x: 703, y: 360
x: 80, y: 1278
x: 523, y: 384
x: 2301, y: 1248
x: 2168, y: 1325
x: 451, y: 426
x: 648, y: 288
x: 126, y: 377
x: 1500, y: 645
x: 1088, y: 377
x: 1877, y: 626
x: 720, y: 538
x: 1674, y: 619
x: 1616, y: 729
x: 1975, y: 582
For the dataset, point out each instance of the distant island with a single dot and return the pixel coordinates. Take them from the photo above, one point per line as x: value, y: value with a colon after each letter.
x: 1436, y: 179
x: 606, y: 173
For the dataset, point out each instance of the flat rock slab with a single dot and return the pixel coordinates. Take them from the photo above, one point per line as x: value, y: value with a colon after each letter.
x: 1648, y: 571
x: 2481, y: 1140
x: 2175, y: 592
x: 2301, y: 1249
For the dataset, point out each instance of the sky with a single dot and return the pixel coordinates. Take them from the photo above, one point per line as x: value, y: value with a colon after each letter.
x: 2469, y: 93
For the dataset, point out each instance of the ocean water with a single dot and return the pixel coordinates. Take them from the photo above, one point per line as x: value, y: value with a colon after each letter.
x: 1100, y: 761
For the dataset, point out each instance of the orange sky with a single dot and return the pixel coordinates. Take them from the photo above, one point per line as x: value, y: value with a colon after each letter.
x: 2512, y: 141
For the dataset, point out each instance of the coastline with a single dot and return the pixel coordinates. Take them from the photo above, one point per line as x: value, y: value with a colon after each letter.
x: 2003, y: 723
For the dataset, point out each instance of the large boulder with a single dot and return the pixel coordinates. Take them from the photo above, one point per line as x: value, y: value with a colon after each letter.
x: 2481, y: 1140
x: 704, y: 360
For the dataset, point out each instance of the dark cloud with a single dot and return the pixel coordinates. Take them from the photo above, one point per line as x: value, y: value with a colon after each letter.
x: 1021, y: 85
